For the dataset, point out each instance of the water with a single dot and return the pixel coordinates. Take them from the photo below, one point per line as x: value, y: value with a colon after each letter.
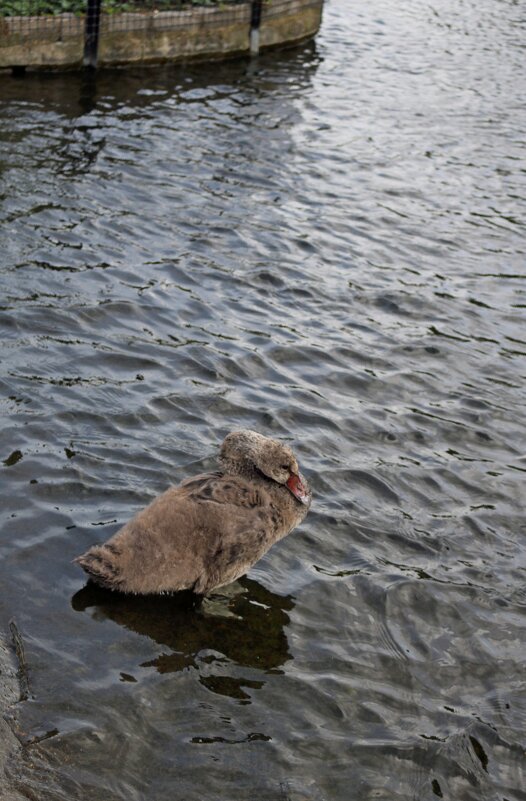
x: 327, y: 246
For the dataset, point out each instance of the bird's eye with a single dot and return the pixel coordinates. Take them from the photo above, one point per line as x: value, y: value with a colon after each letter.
x: 285, y: 467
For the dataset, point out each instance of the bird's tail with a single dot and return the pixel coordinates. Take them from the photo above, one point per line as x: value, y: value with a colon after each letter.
x: 101, y: 564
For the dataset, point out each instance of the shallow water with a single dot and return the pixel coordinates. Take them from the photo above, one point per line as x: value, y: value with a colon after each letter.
x: 327, y: 246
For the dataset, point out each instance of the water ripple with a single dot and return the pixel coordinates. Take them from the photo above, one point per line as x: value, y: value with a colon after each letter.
x: 327, y: 246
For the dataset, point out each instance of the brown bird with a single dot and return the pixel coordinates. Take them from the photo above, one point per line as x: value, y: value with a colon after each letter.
x: 210, y: 529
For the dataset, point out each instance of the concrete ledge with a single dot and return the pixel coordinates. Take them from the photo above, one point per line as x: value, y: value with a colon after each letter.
x: 41, y: 41
x: 295, y: 19
x: 174, y: 36
x: 155, y: 36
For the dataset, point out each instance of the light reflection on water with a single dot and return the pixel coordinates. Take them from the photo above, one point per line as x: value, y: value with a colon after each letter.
x: 327, y: 246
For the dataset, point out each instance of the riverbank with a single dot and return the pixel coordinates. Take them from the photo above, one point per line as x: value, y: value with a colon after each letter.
x: 148, y: 36
x: 9, y: 694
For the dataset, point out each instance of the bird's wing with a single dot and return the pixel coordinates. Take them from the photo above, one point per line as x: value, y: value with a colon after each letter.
x: 221, y: 489
x: 200, y: 534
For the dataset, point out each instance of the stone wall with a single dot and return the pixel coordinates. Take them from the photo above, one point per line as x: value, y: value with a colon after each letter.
x: 155, y: 36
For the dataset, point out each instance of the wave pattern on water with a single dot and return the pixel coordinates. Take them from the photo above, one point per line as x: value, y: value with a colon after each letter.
x: 326, y: 245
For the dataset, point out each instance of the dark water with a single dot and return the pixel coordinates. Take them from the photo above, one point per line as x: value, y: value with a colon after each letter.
x: 329, y: 247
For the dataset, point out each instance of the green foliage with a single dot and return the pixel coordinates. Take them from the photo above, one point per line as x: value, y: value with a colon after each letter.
x: 27, y: 8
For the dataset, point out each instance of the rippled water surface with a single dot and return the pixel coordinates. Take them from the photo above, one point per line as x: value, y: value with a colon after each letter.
x: 327, y: 246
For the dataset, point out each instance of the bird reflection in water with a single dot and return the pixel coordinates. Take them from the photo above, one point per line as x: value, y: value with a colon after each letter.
x: 241, y: 626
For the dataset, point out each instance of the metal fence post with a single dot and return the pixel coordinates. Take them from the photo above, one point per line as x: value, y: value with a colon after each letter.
x: 255, y: 22
x: 91, y: 33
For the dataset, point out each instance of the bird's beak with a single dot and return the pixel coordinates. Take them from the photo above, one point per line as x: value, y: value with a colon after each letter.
x: 298, y: 489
